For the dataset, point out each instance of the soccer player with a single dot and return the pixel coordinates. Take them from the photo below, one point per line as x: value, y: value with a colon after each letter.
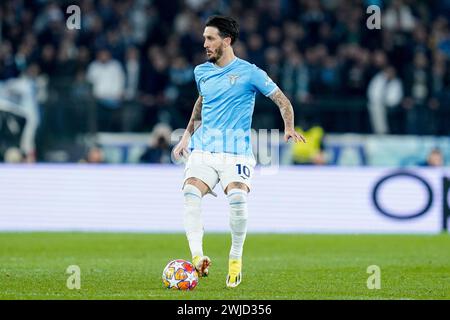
x: 220, y: 148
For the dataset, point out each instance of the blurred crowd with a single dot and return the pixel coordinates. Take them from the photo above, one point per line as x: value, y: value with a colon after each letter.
x: 130, y: 65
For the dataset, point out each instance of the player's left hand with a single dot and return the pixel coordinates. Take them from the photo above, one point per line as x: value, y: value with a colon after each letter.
x: 291, y: 133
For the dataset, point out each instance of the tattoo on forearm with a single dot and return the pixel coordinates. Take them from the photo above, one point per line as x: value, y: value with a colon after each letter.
x: 287, y: 112
x: 196, y: 116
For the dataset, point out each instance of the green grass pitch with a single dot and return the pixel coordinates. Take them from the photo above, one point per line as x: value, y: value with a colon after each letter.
x: 276, y: 266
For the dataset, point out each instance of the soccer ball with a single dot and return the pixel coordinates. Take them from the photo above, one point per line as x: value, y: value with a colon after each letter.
x: 180, y: 274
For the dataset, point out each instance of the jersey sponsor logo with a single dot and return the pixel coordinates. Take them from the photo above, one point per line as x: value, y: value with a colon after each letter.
x: 233, y: 78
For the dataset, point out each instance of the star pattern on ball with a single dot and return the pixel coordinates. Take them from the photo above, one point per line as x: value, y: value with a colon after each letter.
x: 177, y: 265
x: 191, y: 276
x: 173, y: 282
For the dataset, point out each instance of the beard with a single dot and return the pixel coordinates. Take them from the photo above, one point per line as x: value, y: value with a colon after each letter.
x: 217, y: 55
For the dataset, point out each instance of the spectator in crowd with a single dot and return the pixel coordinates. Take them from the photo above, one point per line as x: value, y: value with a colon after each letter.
x: 21, y: 95
x: 272, y: 58
x: 255, y: 49
x: 434, y: 159
x: 379, y: 62
x: 354, y: 74
x: 94, y: 155
x: 132, y: 113
x: 14, y: 155
x: 439, y: 109
x: 330, y: 77
x: 418, y: 92
x: 8, y: 66
x: 398, y: 17
x: 295, y: 77
x: 385, y: 92
x: 83, y: 59
x: 313, y: 154
x: 153, y: 84
x: 23, y: 56
x: 132, y: 71
x: 47, y: 60
x: 158, y: 150
x: 65, y: 66
x: 82, y: 119
x: 182, y: 91
x: 108, y: 81
x: 115, y: 44
x: 317, y: 50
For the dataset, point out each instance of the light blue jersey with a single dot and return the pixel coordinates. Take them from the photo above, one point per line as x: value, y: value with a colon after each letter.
x: 228, y: 102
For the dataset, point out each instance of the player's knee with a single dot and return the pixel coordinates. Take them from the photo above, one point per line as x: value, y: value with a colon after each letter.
x: 192, y: 195
x: 237, y: 199
x: 236, y: 185
x: 199, y: 184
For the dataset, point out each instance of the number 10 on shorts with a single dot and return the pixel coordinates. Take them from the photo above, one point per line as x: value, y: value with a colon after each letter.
x: 243, y: 169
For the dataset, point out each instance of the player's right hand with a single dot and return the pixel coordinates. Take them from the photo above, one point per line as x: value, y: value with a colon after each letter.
x: 180, y: 150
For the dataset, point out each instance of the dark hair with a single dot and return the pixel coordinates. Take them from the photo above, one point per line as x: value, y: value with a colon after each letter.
x: 227, y: 26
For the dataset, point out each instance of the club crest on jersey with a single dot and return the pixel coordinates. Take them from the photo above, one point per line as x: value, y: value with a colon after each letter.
x: 233, y: 78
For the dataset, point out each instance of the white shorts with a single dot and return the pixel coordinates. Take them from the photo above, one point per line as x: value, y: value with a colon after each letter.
x: 224, y: 167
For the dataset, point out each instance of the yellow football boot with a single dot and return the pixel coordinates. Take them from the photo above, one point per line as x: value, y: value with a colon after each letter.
x: 201, y: 264
x: 234, y: 277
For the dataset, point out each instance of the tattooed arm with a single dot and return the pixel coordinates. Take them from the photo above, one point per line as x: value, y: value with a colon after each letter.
x: 196, y: 118
x: 287, y: 112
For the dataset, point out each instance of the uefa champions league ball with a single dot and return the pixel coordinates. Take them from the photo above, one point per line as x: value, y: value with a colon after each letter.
x: 180, y: 274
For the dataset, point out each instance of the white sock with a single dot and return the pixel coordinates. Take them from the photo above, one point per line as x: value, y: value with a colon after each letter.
x: 193, y: 223
x: 238, y: 221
